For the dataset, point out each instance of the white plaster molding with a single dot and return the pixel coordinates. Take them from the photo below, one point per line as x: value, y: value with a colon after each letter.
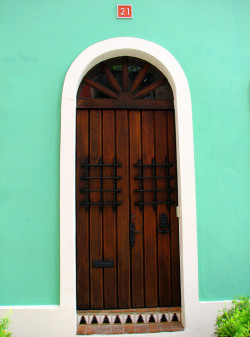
x: 167, y: 64
x: 61, y: 322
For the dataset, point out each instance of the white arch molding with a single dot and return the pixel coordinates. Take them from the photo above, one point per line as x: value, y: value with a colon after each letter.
x: 197, y: 317
x: 167, y: 64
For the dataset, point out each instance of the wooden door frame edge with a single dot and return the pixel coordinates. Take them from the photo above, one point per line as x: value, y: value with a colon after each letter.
x: 168, y: 65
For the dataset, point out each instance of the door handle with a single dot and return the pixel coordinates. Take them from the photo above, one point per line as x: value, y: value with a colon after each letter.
x: 132, y: 233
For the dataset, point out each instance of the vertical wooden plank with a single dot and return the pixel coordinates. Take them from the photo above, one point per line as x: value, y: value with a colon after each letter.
x: 137, y: 269
x: 96, y: 274
x: 150, y: 250
x: 164, y: 266
x: 82, y: 225
x: 175, y: 259
x: 123, y: 250
x: 109, y: 214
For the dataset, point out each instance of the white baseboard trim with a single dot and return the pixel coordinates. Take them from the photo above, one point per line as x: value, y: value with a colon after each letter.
x: 55, y: 321
x: 29, y: 307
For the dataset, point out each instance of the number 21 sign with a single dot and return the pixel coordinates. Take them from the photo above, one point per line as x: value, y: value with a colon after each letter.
x: 124, y: 11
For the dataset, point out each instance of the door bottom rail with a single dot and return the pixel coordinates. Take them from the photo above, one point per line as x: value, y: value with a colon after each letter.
x: 140, y: 320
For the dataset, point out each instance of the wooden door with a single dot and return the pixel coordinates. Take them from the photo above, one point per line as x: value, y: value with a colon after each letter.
x: 126, y: 190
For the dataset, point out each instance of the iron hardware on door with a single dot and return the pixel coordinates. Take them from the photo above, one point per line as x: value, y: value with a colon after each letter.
x: 153, y: 167
x: 87, y: 191
x: 132, y: 233
x: 164, y: 225
x: 103, y: 264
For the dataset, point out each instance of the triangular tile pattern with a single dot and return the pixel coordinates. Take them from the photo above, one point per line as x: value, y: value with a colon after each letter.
x: 83, y: 320
x: 117, y: 320
x: 175, y: 317
x: 129, y: 318
x: 140, y: 319
x: 152, y: 319
x: 105, y: 320
x: 94, y: 320
x: 163, y: 318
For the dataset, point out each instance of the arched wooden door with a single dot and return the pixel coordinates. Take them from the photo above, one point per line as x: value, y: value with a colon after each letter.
x: 127, y: 235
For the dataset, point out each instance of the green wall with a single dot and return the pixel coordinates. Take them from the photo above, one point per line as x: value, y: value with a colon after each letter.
x: 38, y: 42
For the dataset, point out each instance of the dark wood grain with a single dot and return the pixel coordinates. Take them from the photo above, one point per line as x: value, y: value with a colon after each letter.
x: 124, y: 103
x: 150, y: 88
x: 140, y: 77
x: 123, y: 250
x: 101, y: 88
x: 150, y: 253
x: 96, y: 274
x: 109, y: 215
x: 110, y: 77
x: 137, y: 263
x: 82, y: 225
x: 164, y: 266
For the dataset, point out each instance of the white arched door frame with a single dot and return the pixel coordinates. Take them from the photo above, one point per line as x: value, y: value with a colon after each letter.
x: 167, y: 64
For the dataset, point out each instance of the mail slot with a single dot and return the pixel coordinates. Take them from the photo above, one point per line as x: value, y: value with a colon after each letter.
x: 103, y: 264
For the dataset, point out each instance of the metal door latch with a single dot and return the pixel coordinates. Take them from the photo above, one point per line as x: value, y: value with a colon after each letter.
x: 132, y: 233
x: 164, y: 225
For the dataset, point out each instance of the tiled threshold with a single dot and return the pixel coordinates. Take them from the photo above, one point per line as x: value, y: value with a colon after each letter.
x: 129, y: 321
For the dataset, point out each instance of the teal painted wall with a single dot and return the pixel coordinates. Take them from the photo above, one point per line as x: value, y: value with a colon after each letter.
x: 39, y: 40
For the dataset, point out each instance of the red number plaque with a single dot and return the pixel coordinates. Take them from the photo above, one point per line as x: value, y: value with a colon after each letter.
x: 124, y: 11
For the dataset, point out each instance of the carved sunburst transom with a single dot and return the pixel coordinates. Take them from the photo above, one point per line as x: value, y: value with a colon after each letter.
x: 124, y: 82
